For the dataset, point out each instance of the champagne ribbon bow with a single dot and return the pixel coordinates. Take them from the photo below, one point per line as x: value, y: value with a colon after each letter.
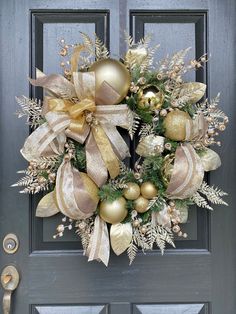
x: 78, y: 117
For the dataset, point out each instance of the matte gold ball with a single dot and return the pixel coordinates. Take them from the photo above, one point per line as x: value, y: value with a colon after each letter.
x: 113, y: 212
x: 132, y: 191
x: 115, y: 74
x: 141, y: 204
x: 148, y: 190
x: 175, y: 125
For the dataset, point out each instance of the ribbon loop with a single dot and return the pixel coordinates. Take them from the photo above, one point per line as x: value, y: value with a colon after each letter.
x: 79, y: 108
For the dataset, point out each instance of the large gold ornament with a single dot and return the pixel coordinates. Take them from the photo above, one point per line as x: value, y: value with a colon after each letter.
x: 150, y: 97
x: 132, y: 191
x: 141, y: 204
x: 113, y: 212
x: 148, y: 190
x: 175, y: 124
x: 115, y: 74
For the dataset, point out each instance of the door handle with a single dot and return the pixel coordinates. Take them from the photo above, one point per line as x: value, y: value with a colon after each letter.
x: 9, y: 279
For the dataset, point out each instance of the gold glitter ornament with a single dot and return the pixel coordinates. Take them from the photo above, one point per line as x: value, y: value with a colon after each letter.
x: 113, y: 212
x: 175, y: 124
x: 148, y: 190
x: 150, y: 145
x: 141, y: 204
x: 132, y: 191
x: 150, y: 97
x: 115, y: 74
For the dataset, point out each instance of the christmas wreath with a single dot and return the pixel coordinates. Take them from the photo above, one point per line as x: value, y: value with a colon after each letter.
x: 76, y: 153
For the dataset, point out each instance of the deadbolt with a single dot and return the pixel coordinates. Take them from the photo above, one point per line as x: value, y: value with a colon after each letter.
x: 10, y: 243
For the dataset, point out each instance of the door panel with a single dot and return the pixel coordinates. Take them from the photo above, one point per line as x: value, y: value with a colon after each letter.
x: 197, y: 277
x: 171, y: 308
x: 95, y: 309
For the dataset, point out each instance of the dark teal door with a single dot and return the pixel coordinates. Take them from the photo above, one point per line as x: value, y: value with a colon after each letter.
x: 197, y: 277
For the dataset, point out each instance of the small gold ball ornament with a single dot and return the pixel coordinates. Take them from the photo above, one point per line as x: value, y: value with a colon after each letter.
x: 148, y: 190
x: 115, y: 74
x: 113, y: 212
x: 132, y: 191
x: 175, y: 125
x: 150, y: 97
x: 136, y: 223
x: 141, y: 204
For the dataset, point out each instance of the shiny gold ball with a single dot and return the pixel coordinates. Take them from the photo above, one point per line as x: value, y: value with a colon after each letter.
x: 141, y: 204
x: 115, y: 74
x: 175, y: 125
x: 113, y: 212
x: 148, y: 190
x: 151, y: 98
x: 132, y: 191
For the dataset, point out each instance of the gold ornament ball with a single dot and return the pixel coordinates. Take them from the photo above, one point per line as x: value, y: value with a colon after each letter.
x: 113, y: 212
x: 150, y: 97
x: 141, y: 204
x: 115, y: 74
x: 148, y: 190
x: 175, y: 125
x: 132, y: 191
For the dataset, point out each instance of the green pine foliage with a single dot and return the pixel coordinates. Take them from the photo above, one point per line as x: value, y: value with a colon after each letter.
x: 160, y: 129
x: 190, y: 109
x: 108, y: 193
x: 80, y: 157
x: 183, y: 203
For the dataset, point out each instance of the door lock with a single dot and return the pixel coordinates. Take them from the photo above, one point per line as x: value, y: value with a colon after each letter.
x: 10, y: 243
x: 9, y: 279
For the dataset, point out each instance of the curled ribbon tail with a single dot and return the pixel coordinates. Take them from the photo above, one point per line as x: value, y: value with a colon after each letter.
x: 99, y: 245
x: 96, y: 167
x: 55, y: 83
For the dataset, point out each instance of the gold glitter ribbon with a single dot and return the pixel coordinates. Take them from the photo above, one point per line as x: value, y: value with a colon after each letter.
x: 187, y: 175
x: 99, y: 245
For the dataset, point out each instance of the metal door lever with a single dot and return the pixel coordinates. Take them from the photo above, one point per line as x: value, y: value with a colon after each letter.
x: 9, y: 279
